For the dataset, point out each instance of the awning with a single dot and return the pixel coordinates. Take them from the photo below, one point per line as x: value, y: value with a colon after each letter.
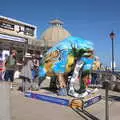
x: 12, y: 38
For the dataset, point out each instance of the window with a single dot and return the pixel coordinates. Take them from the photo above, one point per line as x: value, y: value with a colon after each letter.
x: 6, y: 26
x: 29, y: 31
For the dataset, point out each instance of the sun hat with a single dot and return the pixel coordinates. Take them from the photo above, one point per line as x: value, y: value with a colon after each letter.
x: 28, y: 55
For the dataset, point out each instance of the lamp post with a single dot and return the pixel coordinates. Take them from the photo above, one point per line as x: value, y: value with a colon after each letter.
x: 112, y: 36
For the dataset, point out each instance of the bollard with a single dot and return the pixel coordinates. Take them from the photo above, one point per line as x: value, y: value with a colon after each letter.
x: 106, y: 83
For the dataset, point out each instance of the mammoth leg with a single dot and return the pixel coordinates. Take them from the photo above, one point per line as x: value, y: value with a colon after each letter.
x: 61, y: 80
x: 53, y: 83
x: 62, y: 90
x: 76, y: 74
x: 40, y: 80
x: 66, y: 79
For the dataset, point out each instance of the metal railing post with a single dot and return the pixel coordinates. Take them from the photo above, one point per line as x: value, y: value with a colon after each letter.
x: 106, y: 100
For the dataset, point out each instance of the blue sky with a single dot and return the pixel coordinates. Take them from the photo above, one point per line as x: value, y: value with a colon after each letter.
x: 90, y: 19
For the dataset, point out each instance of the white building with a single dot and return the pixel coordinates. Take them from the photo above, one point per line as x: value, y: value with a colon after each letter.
x: 17, y: 34
x: 22, y: 36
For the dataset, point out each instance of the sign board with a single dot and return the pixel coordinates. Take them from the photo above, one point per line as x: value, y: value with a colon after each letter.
x: 12, y: 38
x: 47, y: 98
x: 6, y: 26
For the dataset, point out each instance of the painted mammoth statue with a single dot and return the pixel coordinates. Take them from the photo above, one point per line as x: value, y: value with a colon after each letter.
x: 60, y: 60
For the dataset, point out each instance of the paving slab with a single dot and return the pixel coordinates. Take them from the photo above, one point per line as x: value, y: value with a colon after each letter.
x: 4, y: 101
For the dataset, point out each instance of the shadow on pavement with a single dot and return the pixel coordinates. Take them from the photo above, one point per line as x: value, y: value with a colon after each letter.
x: 85, y: 115
x: 114, y: 98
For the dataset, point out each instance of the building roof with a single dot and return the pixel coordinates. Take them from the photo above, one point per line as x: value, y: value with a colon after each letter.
x: 56, y: 21
x: 17, y: 21
x: 54, y: 33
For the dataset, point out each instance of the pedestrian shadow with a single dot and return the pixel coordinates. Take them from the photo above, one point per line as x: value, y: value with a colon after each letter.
x: 85, y: 114
x: 114, y: 98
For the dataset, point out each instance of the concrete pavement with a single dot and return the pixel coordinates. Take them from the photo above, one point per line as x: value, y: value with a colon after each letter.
x: 4, y: 101
x: 14, y: 105
x: 30, y: 109
x: 23, y: 108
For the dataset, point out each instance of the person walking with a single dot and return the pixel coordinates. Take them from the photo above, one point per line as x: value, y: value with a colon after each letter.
x: 35, y: 80
x: 26, y: 72
x: 10, y: 65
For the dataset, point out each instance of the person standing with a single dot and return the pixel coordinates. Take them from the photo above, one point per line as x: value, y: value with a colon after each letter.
x: 10, y: 65
x: 96, y: 66
x: 35, y: 80
x: 26, y: 72
x: 35, y: 60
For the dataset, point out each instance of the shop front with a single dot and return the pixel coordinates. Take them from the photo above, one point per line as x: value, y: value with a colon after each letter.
x: 7, y: 42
